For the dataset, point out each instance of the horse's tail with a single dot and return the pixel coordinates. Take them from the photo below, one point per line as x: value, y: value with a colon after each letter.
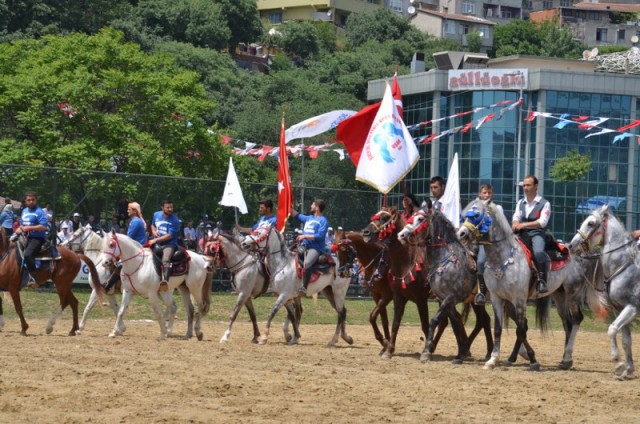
x: 543, y: 304
x: 206, y: 293
x: 94, y: 281
x: 466, y: 309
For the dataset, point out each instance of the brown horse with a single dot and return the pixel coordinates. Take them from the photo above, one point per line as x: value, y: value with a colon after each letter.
x: 374, y: 268
x: 62, y: 272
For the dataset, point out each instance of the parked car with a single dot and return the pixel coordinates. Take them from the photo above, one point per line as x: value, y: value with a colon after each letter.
x: 595, y: 202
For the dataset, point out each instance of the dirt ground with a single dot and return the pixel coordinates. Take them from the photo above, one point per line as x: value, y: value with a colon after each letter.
x: 137, y: 379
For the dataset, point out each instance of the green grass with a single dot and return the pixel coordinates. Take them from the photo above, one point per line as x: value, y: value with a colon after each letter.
x: 40, y: 304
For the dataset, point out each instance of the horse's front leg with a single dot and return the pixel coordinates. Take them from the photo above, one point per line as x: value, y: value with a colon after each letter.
x: 53, y: 319
x: 623, y: 319
x: 498, y: 311
x: 154, y: 299
x: 459, y: 331
x: 93, y: 297
x: 291, y: 313
x: 1, y: 315
x: 254, y: 321
x: 119, y: 327
x: 17, y: 304
x: 521, y: 333
x: 240, y: 302
x: 629, y: 370
x: 189, y: 310
x: 279, y: 302
x: 399, y: 305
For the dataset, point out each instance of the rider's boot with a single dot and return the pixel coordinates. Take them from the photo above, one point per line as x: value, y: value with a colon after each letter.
x: 113, y: 280
x: 480, y: 298
x: 542, y: 278
x: 32, y: 283
x: 166, y: 271
x: 306, y: 277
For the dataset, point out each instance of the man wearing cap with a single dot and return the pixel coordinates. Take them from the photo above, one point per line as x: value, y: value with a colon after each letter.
x: 164, y: 228
x: 64, y: 234
x: 34, y: 225
x: 328, y: 241
x: 6, y: 217
x: 77, y: 222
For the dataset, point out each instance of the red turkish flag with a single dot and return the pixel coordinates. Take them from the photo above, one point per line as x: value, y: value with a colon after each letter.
x: 353, y: 131
x: 285, y: 194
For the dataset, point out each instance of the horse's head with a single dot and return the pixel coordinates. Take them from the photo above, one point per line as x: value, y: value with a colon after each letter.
x: 213, y: 250
x: 111, y: 246
x: 344, y: 250
x: 258, y: 239
x: 77, y: 239
x: 417, y: 225
x: 476, y: 220
x: 591, y: 231
x: 382, y: 224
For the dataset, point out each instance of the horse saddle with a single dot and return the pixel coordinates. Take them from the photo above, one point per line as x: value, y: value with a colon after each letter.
x: 323, y: 265
x: 179, y: 261
x: 558, y: 252
x: 43, y: 257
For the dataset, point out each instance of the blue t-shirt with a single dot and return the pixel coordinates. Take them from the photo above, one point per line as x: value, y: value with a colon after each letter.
x: 316, y: 225
x: 36, y: 216
x: 264, y: 220
x: 136, y: 230
x: 6, y: 219
x: 167, y: 225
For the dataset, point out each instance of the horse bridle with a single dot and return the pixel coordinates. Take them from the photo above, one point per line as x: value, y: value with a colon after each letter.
x: 422, y: 227
x: 118, y: 257
x: 385, y: 228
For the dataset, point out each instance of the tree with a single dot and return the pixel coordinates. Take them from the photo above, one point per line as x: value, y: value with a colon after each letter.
x: 98, y: 103
x: 300, y: 39
x: 527, y: 37
x: 573, y: 167
x: 380, y: 25
x: 474, y: 42
x: 243, y: 19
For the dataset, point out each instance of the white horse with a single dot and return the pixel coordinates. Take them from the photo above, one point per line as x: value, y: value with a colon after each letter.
x: 508, y: 278
x: 285, y: 282
x: 139, y: 276
x: 621, y: 266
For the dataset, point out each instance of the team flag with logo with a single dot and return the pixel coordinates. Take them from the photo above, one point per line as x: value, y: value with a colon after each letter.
x: 389, y: 152
x: 317, y: 125
x: 285, y: 193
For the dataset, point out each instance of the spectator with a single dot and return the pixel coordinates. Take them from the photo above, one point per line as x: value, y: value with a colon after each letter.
x: 190, y: 236
x: 77, y: 221
x: 64, y: 234
x: 7, y: 217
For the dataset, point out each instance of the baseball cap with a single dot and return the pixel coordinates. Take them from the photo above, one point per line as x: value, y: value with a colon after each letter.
x: 339, y: 228
x: 64, y: 225
x: 76, y: 214
x: 330, y: 228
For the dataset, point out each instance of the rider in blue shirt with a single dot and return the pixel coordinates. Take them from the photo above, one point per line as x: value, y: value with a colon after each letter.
x: 312, y: 237
x: 164, y: 227
x: 266, y: 217
x: 34, y: 224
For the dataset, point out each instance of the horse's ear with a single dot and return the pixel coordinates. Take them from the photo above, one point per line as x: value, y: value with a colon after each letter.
x: 605, y: 208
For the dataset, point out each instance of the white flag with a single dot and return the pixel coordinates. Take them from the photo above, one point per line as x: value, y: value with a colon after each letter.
x: 317, y: 125
x: 232, y: 192
x: 389, y: 152
x: 451, y: 198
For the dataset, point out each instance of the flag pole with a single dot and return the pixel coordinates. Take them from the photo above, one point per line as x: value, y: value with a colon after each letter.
x: 302, y: 176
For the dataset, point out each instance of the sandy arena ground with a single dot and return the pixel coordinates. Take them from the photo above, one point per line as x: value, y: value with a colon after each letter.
x: 137, y: 379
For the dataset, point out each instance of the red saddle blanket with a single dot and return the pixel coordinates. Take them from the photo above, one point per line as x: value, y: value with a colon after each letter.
x: 327, y: 267
x: 556, y: 264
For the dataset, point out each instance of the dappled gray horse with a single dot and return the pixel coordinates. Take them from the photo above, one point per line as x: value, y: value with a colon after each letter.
x: 621, y: 268
x: 508, y: 276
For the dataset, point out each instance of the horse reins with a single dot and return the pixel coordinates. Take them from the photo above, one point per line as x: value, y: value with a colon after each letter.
x: 128, y: 275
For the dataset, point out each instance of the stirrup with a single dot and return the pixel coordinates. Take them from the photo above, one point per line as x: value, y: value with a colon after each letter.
x: 302, y: 289
x: 542, y: 286
x: 32, y: 283
x: 479, y: 299
x: 163, y: 286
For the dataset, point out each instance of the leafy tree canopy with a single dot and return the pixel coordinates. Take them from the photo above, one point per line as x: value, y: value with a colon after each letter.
x: 573, y: 167
x: 380, y: 25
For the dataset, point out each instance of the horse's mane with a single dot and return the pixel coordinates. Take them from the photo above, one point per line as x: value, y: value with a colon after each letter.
x: 231, y: 239
x: 499, y: 218
x: 283, y: 245
x: 5, y: 241
x: 442, y: 227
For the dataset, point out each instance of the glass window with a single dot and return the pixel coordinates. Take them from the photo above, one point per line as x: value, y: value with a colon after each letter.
x: 601, y: 34
x: 468, y: 7
x: 449, y: 27
x: 275, y: 17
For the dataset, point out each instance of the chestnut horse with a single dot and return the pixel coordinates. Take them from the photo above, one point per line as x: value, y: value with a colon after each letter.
x: 61, y: 271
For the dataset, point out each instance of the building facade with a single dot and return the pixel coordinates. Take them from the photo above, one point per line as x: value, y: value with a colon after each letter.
x: 336, y: 11
x: 454, y: 26
x: 595, y: 24
x: 502, y: 151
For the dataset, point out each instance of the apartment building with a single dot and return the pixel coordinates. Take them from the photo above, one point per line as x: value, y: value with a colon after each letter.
x: 336, y: 11
x: 454, y: 26
x: 595, y: 24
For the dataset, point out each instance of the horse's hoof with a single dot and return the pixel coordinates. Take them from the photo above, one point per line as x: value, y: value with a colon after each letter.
x: 287, y: 337
x: 425, y: 357
x: 254, y: 341
x: 349, y: 340
x: 71, y: 333
x: 200, y: 336
x: 508, y: 363
x: 112, y: 334
x: 263, y: 341
x: 456, y: 361
x: 534, y: 367
x: 565, y: 365
x: 619, y: 369
x: 224, y: 341
x: 49, y: 330
x: 386, y: 356
x: 488, y: 367
x: 292, y: 342
x: 330, y: 345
